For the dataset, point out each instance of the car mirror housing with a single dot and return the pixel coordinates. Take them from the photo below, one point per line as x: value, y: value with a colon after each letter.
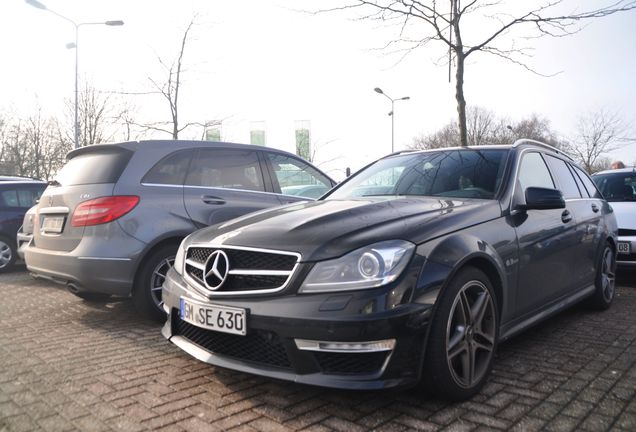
x: 538, y: 198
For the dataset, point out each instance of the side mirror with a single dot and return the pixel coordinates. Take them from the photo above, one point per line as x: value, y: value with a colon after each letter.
x: 538, y: 198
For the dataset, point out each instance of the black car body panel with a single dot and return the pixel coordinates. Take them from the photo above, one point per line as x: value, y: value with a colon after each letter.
x: 528, y: 254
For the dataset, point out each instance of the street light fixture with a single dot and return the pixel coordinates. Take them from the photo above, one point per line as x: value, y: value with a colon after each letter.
x: 72, y: 45
x: 379, y: 90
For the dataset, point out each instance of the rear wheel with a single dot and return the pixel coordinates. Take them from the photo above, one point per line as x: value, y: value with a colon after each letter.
x: 463, y: 337
x: 8, y: 254
x: 605, y: 280
x: 148, y: 284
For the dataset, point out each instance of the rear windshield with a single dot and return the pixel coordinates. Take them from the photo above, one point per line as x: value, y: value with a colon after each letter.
x: 449, y: 173
x: 103, y: 166
x: 617, y: 186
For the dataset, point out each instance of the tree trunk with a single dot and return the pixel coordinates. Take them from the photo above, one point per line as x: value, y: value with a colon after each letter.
x: 459, y: 77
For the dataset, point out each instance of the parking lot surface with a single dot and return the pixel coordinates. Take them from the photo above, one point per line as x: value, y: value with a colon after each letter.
x: 66, y: 364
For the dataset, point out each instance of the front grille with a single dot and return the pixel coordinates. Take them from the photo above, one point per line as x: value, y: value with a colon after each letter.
x: 249, y: 270
x: 626, y: 232
x: 351, y: 363
x: 258, y: 346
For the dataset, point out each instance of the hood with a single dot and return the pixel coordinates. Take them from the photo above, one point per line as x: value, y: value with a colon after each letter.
x: 625, y: 212
x: 327, y: 229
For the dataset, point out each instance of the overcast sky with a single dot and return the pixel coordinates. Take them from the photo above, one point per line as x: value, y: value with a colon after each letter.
x: 260, y: 60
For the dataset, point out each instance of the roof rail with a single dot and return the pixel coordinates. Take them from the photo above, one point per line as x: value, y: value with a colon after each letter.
x: 541, y: 144
x: 399, y: 152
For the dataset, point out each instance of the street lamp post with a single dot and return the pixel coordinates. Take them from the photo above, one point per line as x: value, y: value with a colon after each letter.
x: 392, y: 113
x: 75, y: 45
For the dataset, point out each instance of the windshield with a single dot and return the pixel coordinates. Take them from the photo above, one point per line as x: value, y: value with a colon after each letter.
x: 620, y: 186
x: 451, y: 173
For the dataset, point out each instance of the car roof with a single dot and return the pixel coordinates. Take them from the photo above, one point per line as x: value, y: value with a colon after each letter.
x: 173, y: 144
x: 617, y: 171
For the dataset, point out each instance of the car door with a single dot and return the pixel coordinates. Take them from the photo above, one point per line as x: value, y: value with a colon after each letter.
x: 578, y: 203
x: 546, y: 238
x: 591, y: 219
x: 223, y: 184
x: 294, y: 179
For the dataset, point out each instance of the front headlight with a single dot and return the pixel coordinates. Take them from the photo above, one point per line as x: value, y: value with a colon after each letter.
x: 368, y: 267
x: 178, y: 260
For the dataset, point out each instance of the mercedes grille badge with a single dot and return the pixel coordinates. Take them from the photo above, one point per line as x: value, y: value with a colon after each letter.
x: 216, y: 270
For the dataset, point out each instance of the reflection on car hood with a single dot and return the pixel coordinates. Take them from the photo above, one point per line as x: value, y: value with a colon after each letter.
x: 625, y: 212
x: 321, y: 230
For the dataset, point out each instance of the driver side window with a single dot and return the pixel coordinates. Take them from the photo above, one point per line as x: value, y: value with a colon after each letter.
x: 533, y: 172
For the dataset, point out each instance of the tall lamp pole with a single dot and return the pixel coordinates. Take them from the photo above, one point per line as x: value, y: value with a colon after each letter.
x: 392, y: 113
x: 75, y: 45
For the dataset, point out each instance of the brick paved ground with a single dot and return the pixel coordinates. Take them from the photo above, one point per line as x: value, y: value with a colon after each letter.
x: 69, y: 365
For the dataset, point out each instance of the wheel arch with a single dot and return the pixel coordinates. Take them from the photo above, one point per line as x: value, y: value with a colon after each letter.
x: 462, y: 250
x: 172, y: 238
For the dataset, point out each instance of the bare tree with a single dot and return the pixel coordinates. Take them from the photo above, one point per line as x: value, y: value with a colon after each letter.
x: 169, y: 89
x: 484, y: 127
x: 443, y: 22
x: 598, y: 133
x: 99, y: 116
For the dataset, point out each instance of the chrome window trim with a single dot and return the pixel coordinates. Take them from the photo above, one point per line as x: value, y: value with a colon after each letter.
x: 212, y: 294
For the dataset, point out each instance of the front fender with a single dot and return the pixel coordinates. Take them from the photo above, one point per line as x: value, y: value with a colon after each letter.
x: 445, y: 256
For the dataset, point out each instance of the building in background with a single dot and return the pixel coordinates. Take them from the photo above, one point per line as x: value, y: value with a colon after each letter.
x: 258, y: 133
x: 213, y: 132
x: 303, y: 139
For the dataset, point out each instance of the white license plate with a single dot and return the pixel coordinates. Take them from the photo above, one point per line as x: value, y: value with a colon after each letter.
x: 624, y: 247
x: 53, y: 224
x: 213, y: 317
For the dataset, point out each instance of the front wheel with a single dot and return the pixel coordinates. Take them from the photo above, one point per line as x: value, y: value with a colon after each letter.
x: 148, y: 284
x: 463, y: 337
x: 605, y: 280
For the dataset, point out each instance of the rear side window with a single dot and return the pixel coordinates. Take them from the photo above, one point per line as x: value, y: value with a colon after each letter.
x: 10, y: 198
x: 564, y: 177
x: 20, y: 197
x: 589, y: 184
x: 534, y: 173
x: 232, y: 169
x: 171, y: 170
x: 94, y: 167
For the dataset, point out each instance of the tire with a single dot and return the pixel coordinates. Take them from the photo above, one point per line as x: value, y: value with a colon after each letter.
x: 146, y: 293
x: 463, y: 337
x: 605, y: 280
x: 8, y: 254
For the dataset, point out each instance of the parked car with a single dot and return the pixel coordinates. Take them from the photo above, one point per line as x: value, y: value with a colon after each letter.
x: 619, y: 188
x: 113, y: 217
x: 17, y: 195
x: 414, y: 268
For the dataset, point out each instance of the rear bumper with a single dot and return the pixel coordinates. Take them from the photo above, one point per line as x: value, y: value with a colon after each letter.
x: 90, y: 267
x: 24, y: 240
x: 279, y: 330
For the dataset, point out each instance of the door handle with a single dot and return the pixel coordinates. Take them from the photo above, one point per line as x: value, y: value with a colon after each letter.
x: 209, y: 199
x: 566, y: 216
x: 595, y: 208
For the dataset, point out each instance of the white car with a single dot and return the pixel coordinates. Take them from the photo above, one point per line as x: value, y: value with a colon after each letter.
x: 618, y: 186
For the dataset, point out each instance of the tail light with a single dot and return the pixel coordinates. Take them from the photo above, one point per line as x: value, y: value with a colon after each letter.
x: 103, y: 210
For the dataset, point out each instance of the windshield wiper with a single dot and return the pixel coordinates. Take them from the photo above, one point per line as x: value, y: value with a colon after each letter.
x: 54, y: 183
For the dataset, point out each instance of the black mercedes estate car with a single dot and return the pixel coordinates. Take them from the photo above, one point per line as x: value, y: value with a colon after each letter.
x: 412, y: 270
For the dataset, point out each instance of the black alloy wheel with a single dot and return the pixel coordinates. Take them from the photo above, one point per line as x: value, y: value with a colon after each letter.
x: 605, y: 279
x: 463, y: 337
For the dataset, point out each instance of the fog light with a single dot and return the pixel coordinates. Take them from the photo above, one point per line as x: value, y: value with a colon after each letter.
x: 346, y: 347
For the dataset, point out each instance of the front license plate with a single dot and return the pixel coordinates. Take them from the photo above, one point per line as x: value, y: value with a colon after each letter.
x: 213, y: 317
x: 53, y: 224
x: 624, y: 248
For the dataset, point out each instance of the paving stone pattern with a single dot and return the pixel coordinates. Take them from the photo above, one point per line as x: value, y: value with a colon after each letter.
x: 66, y: 364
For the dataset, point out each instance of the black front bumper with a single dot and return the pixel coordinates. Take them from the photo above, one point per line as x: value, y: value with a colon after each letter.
x: 275, y: 324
